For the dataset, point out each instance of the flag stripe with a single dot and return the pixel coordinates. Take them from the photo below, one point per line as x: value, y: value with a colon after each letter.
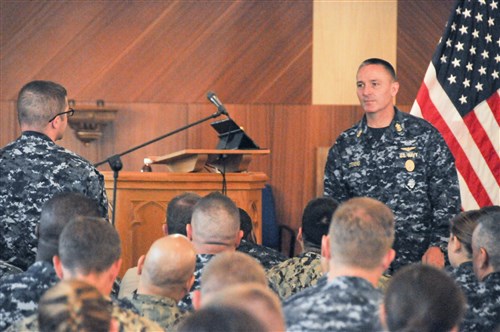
x: 483, y: 141
x: 462, y: 161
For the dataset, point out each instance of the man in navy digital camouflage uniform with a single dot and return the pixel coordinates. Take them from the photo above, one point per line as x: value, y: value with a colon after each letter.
x: 400, y: 160
x: 359, y: 249
x: 485, y: 303
x: 34, y: 168
x: 20, y: 293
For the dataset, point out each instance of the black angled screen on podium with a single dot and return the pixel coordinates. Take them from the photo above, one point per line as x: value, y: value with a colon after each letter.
x: 232, y: 137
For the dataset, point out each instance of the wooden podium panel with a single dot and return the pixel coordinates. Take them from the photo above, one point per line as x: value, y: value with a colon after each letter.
x: 142, y: 200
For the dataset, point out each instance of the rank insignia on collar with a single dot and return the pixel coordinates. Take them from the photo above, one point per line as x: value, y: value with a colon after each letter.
x: 411, y: 184
x: 358, y: 134
x: 398, y: 127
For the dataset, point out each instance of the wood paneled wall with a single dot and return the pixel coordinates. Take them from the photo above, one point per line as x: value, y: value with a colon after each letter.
x: 155, y: 60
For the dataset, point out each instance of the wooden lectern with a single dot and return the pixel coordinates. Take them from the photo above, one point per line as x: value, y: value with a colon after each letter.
x: 142, y: 198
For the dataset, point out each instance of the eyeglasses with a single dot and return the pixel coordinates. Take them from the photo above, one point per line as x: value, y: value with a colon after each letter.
x: 70, y: 112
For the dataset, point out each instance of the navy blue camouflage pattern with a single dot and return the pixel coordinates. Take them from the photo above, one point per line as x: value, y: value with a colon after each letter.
x: 8, y: 269
x: 343, y: 304
x: 484, y: 306
x: 186, y: 303
x: 410, y: 169
x: 268, y: 257
x: 20, y: 293
x: 33, y: 169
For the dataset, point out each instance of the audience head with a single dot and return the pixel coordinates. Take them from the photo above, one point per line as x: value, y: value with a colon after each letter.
x: 179, y: 212
x: 460, y: 243
x: 74, y: 306
x: 227, y: 269
x: 38, y: 103
x: 168, y: 267
x: 215, y: 224
x: 56, y: 213
x: 246, y: 226
x: 486, y: 246
x: 361, y: 235
x: 256, y: 299
x: 89, y: 249
x: 316, y: 220
x: 423, y: 298
x: 220, y: 318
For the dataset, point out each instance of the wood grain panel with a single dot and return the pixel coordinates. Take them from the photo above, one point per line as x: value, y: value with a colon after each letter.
x: 160, y: 51
x: 420, y: 25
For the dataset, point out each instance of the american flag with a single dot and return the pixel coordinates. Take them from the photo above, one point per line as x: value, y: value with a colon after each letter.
x: 460, y: 96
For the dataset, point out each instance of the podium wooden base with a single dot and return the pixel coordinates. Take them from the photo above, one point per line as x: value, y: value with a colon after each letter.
x: 142, y: 199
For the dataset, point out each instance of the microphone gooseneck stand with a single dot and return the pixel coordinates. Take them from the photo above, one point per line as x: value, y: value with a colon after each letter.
x: 116, y: 164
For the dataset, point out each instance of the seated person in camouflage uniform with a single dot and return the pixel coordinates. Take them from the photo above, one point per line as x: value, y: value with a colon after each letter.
x: 74, y: 305
x: 34, y: 168
x: 89, y: 251
x: 485, y: 304
x: 303, y: 271
x: 166, y: 275
x: 359, y: 249
x: 20, y: 293
x: 227, y: 269
x: 214, y: 228
x: 268, y: 257
x: 422, y: 298
x: 178, y: 215
x: 256, y: 299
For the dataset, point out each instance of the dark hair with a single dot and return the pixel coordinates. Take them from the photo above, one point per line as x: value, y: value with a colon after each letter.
x: 57, y: 212
x: 316, y: 220
x: 73, y: 305
x: 463, y: 225
x: 39, y: 101
x: 246, y: 226
x: 89, y: 245
x: 423, y: 298
x: 381, y: 62
x: 179, y: 212
x: 220, y: 318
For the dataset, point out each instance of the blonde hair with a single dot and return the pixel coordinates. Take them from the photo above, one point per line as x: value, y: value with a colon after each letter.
x: 74, y: 305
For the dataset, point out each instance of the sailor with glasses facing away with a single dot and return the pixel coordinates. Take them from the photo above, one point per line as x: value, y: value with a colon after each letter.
x: 34, y: 168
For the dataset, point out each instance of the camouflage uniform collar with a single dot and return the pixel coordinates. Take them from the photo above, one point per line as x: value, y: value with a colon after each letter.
x: 30, y: 133
x: 153, y: 299
x: 493, y: 277
x: 396, y: 126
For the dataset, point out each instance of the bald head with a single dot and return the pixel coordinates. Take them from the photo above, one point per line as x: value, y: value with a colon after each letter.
x: 216, y: 221
x: 168, y: 266
x: 256, y: 299
x: 230, y: 268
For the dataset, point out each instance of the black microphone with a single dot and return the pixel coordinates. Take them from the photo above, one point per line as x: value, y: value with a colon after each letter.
x: 214, y: 100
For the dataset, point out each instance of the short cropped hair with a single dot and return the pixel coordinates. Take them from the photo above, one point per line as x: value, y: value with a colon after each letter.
x: 73, y: 305
x: 423, y: 298
x: 57, y: 212
x: 462, y: 226
x: 486, y: 236
x: 316, y: 220
x: 179, y: 212
x: 215, y: 218
x: 231, y: 268
x: 361, y: 232
x: 376, y: 61
x: 39, y: 101
x: 89, y: 245
x: 220, y: 318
